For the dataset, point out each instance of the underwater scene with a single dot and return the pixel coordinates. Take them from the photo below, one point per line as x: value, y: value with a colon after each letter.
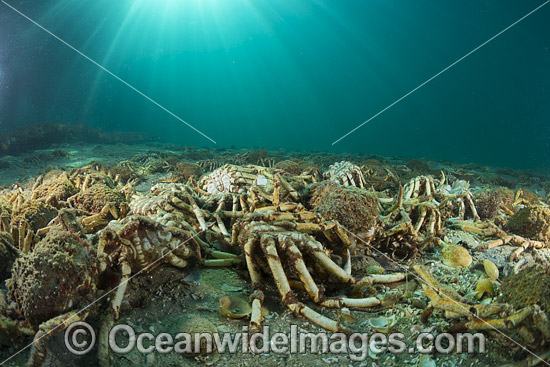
x: 274, y: 182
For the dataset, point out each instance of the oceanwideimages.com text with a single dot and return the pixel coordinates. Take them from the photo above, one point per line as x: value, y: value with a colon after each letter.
x: 124, y: 339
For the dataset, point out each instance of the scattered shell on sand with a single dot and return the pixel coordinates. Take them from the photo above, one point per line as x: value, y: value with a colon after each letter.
x: 234, y: 307
x: 383, y: 324
x: 484, y: 286
x: 455, y: 255
x: 491, y: 269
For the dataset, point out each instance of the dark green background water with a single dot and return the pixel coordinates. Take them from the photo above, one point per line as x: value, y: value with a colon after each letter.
x: 290, y: 74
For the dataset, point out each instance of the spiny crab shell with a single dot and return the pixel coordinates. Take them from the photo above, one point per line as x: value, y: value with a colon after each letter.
x: 346, y: 173
x: 235, y: 179
x: 54, y: 277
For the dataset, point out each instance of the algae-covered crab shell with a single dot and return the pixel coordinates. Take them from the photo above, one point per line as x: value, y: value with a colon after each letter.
x: 53, y: 278
x: 484, y: 286
x: 8, y: 254
x: 491, y: 269
x: 455, y: 255
x: 532, y: 221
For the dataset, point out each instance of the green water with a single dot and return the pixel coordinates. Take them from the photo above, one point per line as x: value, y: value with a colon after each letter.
x: 290, y: 74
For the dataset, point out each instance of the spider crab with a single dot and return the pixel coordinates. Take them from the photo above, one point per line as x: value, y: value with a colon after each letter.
x: 487, y: 230
x: 346, y: 173
x: 170, y: 198
x: 299, y: 248
x: 131, y: 245
x: 233, y: 191
x: 522, y: 316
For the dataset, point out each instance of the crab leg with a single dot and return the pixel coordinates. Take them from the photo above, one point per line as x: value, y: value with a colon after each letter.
x: 316, y: 249
x: 244, y: 204
x: 472, y: 206
x: 112, y: 315
x: 527, y: 244
x: 409, y: 190
x: 220, y: 258
x: 417, y: 187
x: 428, y: 280
x: 432, y: 222
x: 347, y: 265
x: 176, y: 261
x: 404, y: 224
x: 27, y: 243
x: 423, y: 212
x: 257, y: 295
x: 234, y: 208
x: 198, y: 212
x: 291, y: 191
x: 284, y: 207
x: 343, y: 236
x: 480, y: 228
x: 9, y: 326
x: 219, y: 220
x: 340, y: 302
x: 121, y: 289
x: 398, y: 203
x: 23, y: 226
x: 345, y: 180
x: 449, y: 301
x: 297, y: 259
x: 100, y: 219
x: 4, y: 222
x: 496, y: 243
x: 276, y: 192
x: 509, y: 322
x: 379, y: 278
x: 288, y: 297
x: 262, y: 193
x: 438, y: 222
x: 508, y: 211
x: 254, y: 197
x: 46, y: 331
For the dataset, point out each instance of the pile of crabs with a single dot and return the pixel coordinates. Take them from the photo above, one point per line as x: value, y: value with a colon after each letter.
x: 60, y: 235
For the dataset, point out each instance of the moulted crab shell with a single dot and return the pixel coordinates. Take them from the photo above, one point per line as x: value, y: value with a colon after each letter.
x: 458, y: 187
x: 346, y: 316
x: 346, y: 173
x: 484, y: 286
x: 235, y: 179
x: 454, y: 255
x: 383, y: 324
x: 490, y: 269
x: 235, y: 307
x: 232, y: 307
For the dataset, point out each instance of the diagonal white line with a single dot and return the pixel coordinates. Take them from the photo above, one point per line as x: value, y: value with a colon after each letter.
x: 111, y: 73
x: 442, y: 294
x: 105, y: 295
x: 441, y: 72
